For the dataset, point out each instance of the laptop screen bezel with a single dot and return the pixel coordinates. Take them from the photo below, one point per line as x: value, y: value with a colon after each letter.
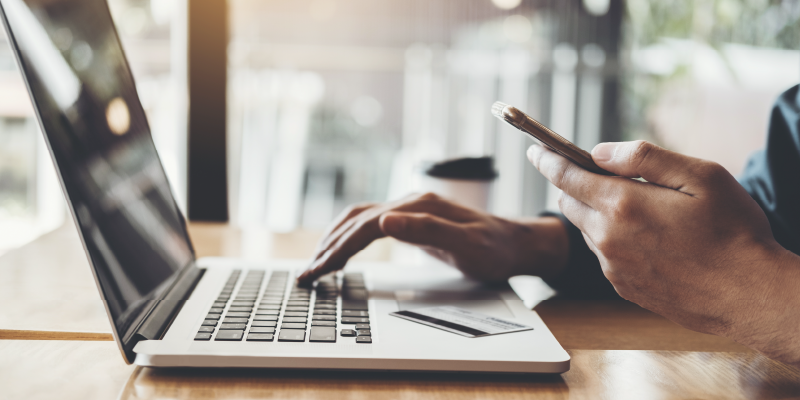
x: 125, y: 340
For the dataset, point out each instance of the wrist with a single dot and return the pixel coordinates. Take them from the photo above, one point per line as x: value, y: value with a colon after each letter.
x: 772, y: 325
x: 544, y: 250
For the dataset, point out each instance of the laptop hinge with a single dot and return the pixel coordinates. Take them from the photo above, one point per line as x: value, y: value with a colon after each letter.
x: 160, y: 317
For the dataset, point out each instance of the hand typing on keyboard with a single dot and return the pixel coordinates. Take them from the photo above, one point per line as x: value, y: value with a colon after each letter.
x: 467, y: 239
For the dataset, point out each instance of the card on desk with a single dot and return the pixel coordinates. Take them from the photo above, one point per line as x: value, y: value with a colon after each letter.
x: 460, y: 321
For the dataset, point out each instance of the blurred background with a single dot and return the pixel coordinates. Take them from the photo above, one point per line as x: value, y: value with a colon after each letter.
x: 331, y: 102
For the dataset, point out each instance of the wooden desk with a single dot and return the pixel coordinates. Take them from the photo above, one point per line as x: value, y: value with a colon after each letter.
x: 47, y: 292
x: 94, y: 370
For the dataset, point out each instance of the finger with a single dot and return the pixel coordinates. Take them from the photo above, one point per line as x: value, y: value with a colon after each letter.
x: 427, y: 203
x: 423, y: 230
x: 335, y: 258
x: 577, y: 212
x: 588, y: 187
x: 641, y: 159
x: 347, y: 215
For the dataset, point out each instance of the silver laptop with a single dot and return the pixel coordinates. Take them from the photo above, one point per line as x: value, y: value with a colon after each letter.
x: 168, y: 309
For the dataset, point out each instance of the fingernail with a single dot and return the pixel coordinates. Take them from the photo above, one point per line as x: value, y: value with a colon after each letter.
x: 604, y: 151
x: 393, y: 224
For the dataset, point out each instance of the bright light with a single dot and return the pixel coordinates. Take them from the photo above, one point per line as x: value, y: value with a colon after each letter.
x: 597, y: 8
x: 366, y: 111
x: 593, y: 55
x: 81, y: 55
x: 118, y: 117
x: 565, y: 57
x: 517, y: 28
x: 506, y: 4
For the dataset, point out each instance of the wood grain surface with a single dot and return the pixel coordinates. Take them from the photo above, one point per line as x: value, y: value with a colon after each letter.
x: 94, y: 370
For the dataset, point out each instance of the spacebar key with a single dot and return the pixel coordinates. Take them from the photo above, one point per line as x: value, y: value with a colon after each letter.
x: 322, y: 334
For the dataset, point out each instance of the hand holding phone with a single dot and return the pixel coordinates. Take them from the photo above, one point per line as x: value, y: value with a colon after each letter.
x: 543, y: 134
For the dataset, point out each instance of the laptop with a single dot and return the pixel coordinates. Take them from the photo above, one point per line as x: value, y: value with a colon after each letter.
x: 169, y: 309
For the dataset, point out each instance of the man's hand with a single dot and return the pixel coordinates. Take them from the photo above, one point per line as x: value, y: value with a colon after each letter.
x: 689, y: 244
x: 481, y: 245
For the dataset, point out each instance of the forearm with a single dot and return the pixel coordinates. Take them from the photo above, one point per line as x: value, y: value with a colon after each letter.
x: 771, y: 324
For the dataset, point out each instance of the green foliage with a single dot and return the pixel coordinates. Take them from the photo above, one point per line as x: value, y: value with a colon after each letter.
x: 763, y: 23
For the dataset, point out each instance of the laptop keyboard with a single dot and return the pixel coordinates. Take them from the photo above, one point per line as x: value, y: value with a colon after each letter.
x: 312, y: 315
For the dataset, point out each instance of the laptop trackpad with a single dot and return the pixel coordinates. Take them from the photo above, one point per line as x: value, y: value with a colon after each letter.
x: 495, y: 308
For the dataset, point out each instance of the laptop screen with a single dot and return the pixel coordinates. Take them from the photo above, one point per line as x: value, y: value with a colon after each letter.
x: 94, y: 124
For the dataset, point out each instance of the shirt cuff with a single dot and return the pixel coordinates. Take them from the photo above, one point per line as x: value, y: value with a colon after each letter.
x: 582, y: 277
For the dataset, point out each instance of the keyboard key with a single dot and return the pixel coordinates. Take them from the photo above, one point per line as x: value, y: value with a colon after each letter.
x: 323, y: 323
x: 292, y: 303
x: 260, y: 329
x: 230, y: 335
x: 292, y: 335
x: 293, y: 325
x: 362, y: 326
x: 233, y: 326
x: 248, y: 309
x: 324, y: 318
x: 354, y: 305
x: 295, y: 319
x: 268, y: 312
x: 235, y: 320
x: 325, y: 307
x: 325, y: 302
x: 206, y: 329
x: 297, y: 309
x: 202, y: 336
x: 215, y: 310
x: 209, y: 322
x: 348, y: 332
x: 295, y: 314
x: 360, y: 339
x: 213, y: 316
x: 355, y: 294
x: 238, y: 303
x: 324, y: 312
x: 354, y: 313
x: 354, y: 320
x: 264, y: 324
x: 218, y: 305
x: 322, y: 334
x: 269, y: 306
x: 270, y: 303
x: 364, y: 332
x: 238, y: 314
x: 265, y: 318
x: 260, y: 337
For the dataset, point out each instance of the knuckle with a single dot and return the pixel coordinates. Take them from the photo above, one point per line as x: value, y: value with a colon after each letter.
x: 559, y: 174
x: 710, y: 171
x: 641, y: 150
x: 427, y: 196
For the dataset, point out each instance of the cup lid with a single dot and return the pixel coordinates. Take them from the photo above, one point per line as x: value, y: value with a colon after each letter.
x: 477, y: 168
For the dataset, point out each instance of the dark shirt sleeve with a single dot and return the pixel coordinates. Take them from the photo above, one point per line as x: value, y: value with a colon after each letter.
x: 772, y: 177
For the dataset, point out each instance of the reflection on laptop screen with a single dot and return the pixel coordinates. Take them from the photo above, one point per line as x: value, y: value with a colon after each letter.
x: 96, y: 129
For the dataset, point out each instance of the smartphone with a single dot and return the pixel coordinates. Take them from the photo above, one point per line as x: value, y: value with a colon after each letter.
x: 547, y: 137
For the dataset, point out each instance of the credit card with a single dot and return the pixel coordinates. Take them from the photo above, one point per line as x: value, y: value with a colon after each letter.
x: 460, y: 321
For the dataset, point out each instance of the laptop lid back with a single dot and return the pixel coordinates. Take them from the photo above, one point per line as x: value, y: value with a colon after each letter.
x: 86, y: 101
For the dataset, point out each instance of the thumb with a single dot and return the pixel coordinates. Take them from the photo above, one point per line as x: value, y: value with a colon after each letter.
x: 422, y: 229
x: 642, y: 159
